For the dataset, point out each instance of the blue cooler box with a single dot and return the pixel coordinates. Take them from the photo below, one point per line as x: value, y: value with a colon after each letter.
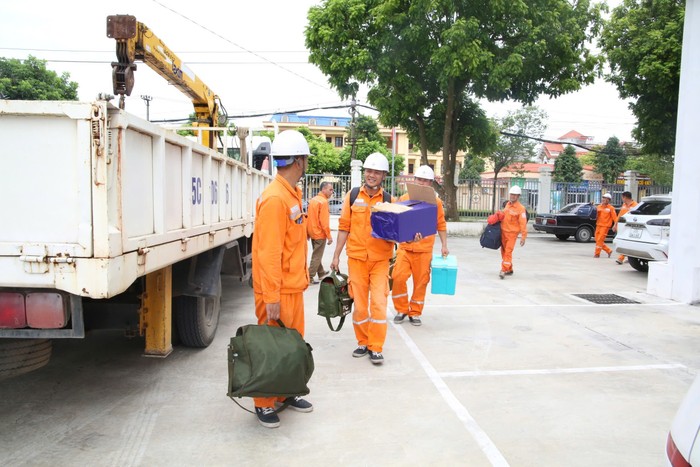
x: 444, y: 275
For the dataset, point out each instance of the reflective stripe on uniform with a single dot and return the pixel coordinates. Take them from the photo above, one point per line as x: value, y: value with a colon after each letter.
x: 399, y: 295
x: 361, y: 322
x: 417, y: 301
x: 378, y: 321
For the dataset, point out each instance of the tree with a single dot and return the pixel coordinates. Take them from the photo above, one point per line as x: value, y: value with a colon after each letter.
x: 30, y: 80
x: 611, y: 161
x: 426, y: 63
x: 365, y: 148
x: 325, y: 158
x: 366, y: 128
x: 567, y: 167
x: 473, y: 167
x: 513, y: 150
x: 642, y: 42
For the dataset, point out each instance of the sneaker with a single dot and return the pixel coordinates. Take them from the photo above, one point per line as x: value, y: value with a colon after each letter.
x: 376, y: 357
x: 596, y: 256
x: 400, y: 317
x: 313, y: 281
x: 509, y: 273
x: 618, y: 261
x: 299, y: 404
x: 609, y: 253
x: 360, y: 351
x: 267, y: 417
x: 415, y: 320
x: 502, y: 274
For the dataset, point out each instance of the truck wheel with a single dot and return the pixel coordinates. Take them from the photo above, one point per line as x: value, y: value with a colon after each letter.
x: 19, y: 356
x: 583, y: 234
x: 196, y: 319
x: 641, y: 265
x: 563, y: 236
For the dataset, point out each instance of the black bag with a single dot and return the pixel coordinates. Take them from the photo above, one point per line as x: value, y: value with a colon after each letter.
x: 491, y: 237
x: 334, y: 299
x: 268, y: 361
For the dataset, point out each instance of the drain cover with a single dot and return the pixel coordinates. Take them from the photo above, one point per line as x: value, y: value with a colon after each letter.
x: 604, y: 299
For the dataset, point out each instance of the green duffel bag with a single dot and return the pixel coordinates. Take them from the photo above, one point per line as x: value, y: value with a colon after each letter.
x: 334, y: 299
x: 268, y: 361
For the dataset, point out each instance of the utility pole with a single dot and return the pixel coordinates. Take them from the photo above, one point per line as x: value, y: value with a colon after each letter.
x: 147, y: 100
x: 353, y: 139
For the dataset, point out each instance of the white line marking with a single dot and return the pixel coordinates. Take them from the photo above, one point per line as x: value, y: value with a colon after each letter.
x: 558, y: 371
x: 585, y: 303
x: 482, y: 439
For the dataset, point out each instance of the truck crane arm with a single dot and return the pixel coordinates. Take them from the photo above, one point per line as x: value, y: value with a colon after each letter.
x: 135, y: 41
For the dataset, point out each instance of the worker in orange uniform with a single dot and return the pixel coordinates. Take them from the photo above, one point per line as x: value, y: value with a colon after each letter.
x: 413, y: 259
x: 279, y: 254
x: 605, y: 219
x: 319, y: 229
x: 627, y: 205
x: 514, y: 222
x: 368, y: 260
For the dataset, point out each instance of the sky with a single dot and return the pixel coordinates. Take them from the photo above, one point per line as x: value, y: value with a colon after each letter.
x: 251, y: 54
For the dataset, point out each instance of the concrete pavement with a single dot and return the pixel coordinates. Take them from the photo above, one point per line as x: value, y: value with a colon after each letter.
x: 506, y: 372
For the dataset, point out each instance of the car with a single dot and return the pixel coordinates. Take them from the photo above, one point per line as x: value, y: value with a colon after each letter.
x: 683, y: 436
x: 335, y: 206
x: 575, y: 219
x: 642, y: 234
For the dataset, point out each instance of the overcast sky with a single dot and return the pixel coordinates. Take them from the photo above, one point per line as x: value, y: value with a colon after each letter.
x: 251, y: 54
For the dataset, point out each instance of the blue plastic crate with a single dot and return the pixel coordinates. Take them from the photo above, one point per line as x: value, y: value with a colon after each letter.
x: 444, y: 275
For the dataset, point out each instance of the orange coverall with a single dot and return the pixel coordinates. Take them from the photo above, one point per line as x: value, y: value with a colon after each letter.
x: 624, y: 210
x: 606, y: 218
x: 319, y: 230
x: 279, y: 259
x: 414, y: 259
x: 368, y: 270
x: 514, y: 222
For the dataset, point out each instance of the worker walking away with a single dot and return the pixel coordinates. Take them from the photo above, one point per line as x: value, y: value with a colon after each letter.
x: 605, y: 219
x: 627, y: 205
x: 514, y: 222
x: 368, y: 259
x: 319, y: 229
x: 279, y: 254
x: 413, y: 259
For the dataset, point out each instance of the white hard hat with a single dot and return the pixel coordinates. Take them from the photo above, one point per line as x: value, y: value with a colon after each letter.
x: 515, y: 190
x: 424, y: 171
x: 376, y: 161
x: 288, y: 144
x: 607, y: 195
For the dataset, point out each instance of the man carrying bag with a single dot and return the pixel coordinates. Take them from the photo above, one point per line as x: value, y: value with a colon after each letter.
x: 280, y: 273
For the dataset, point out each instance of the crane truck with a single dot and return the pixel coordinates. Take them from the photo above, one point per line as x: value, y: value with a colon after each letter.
x: 110, y: 221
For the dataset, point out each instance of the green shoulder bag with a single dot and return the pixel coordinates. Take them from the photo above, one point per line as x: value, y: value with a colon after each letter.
x: 334, y: 299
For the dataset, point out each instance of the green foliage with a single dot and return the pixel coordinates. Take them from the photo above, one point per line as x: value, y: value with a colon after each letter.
x: 510, y: 150
x: 567, y: 167
x: 30, y: 80
x: 325, y: 158
x: 611, y: 162
x: 366, y: 128
x: 473, y: 167
x: 364, y: 149
x: 427, y: 63
x: 190, y: 122
x: 659, y: 171
x: 642, y: 42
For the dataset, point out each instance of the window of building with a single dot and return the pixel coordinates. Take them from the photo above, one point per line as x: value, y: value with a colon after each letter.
x: 329, y: 139
x: 334, y: 123
x: 312, y: 121
x: 338, y: 141
x: 410, y: 146
x: 389, y: 143
x: 285, y: 118
x: 410, y: 168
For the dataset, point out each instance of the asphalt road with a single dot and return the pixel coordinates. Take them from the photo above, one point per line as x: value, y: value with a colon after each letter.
x: 513, y: 372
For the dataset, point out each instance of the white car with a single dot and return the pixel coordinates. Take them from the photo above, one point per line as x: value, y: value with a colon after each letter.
x: 682, y: 450
x: 642, y: 234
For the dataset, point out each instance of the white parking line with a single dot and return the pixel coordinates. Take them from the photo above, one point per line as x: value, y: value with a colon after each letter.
x: 479, y: 435
x: 556, y: 371
x: 552, y: 305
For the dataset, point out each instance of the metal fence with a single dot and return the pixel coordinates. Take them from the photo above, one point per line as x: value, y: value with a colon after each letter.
x: 476, y: 198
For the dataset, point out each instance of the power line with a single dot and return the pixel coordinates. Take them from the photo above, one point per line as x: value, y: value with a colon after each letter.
x: 22, y: 49
x: 239, y: 46
x: 188, y: 63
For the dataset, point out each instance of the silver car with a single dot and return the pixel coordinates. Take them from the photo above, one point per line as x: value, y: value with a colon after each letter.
x: 642, y: 234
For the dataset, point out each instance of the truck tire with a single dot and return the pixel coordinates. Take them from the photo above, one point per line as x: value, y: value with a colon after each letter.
x: 563, y: 236
x: 640, y: 265
x: 584, y: 234
x: 196, y: 319
x: 19, y: 356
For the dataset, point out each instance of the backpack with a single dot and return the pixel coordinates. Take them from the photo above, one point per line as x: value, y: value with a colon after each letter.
x: 334, y: 299
x: 491, y: 237
x: 356, y: 191
x: 268, y: 361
